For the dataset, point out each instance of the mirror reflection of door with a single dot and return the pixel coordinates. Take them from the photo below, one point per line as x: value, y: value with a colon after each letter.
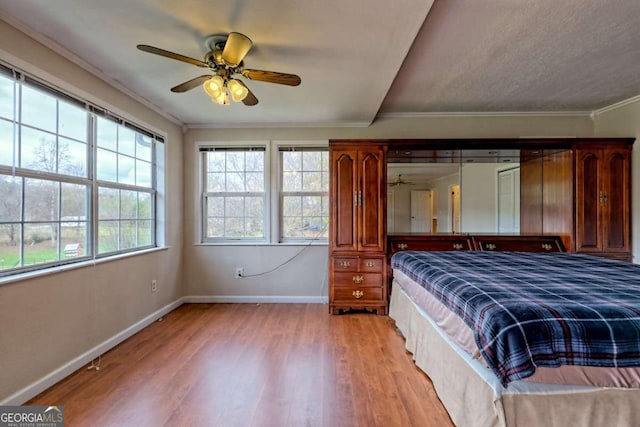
x: 391, y: 209
x: 454, y: 208
x: 509, y: 201
x: 421, y: 211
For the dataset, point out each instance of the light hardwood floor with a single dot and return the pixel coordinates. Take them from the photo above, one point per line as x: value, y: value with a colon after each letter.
x: 254, y: 365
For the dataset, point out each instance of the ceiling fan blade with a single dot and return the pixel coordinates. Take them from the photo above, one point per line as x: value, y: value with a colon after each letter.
x: 188, y: 85
x: 272, y: 77
x: 172, y: 55
x: 250, y: 99
x: 235, y: 48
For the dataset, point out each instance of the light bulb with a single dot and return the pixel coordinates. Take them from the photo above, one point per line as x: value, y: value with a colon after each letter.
x: 237, y: 90
x: 214, y: 87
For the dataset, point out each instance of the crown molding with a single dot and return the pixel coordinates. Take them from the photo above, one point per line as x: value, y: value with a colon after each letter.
x: 615, y: 106
x: 65, y: 53
x: 417, y: 115
x: 288, y: 125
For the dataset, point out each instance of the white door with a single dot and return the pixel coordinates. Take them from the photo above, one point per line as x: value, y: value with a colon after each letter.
x: 509, y: 201
x: 454, y: 208
x: 421, y: 211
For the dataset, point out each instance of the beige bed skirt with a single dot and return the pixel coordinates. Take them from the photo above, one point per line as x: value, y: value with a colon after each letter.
x: 473, y: 396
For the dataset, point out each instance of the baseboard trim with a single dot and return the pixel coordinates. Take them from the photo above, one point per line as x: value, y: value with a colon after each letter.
x: 67, y: 369
x: 212, y: 299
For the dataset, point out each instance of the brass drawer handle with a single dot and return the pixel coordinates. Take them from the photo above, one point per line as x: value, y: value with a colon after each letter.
x: 402, y: 246
x: 345, y: 264
x: 457, y: 246
x: 490, y: 246
x: 546, y: 246
x: 358, y: 294
x: 371, y: 264
x: 358, y: 279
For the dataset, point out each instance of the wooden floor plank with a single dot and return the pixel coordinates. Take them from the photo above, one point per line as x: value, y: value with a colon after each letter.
x: 254, y: 365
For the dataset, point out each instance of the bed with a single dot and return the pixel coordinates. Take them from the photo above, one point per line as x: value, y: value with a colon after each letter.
x: 523, y: 339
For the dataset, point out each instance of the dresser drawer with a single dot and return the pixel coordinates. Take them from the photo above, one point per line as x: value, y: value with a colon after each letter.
x: 357, y: 279
x: 353, y: 294
x: 370, y: 265
x: 345, y: 263
x: 462, y: 244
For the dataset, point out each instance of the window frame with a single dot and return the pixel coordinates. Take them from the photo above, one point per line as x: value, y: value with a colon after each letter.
x: 89, y: 179
x: 284, y: 148
x: 272, y: 185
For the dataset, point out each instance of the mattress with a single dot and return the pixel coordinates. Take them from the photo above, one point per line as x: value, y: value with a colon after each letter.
x: 530, y: 310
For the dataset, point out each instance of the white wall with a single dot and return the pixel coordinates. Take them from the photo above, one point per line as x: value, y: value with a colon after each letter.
x: 48, y: 321
x: 625, y: 122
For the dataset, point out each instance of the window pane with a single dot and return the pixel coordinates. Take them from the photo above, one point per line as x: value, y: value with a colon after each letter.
x: 38, y: 109
x: 291, y: 161
x: 215, y: 206
x: 6, y: 97
x: 10, y: 246
x: 291, y: 181
x: 235, y: 182
x: 255, y: 182
x: 216, y: 161
x: 311, y: 206
x: 143, y: 147
x: 11, y: 198
x: 108, y: 203
x: 144, y: 206
x: 126, y: 170
x: 128, y: 234
x: 255, y: 161
x: 145, y: 233
x: 41, y: 243
x: 128, y: 204
x: 215, y: 227
x: 72, y: 157
x: 143, y: 173
x: 235, y: 161
x: 38, y: 150
x: 292, y: 206
x: 312, y: 181
x: 74, y: 239
x: 234, y: 227
x: 40, y: 200
x: 72, y: 121
x: 6, y: 143
x: 312, y: 161
x: 107, y: 166
x: 234, y: 207
x: 74, y: 199
x: 126, y: 141
x: 215, y: 182
x: 107, y: 134
x: 292, y: 226
x: 108, y: 232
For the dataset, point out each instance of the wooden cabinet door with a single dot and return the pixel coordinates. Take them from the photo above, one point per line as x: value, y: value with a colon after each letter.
x: 344, y: 191
x: 614, y: 200
x: 372, y: 200
x: 588, y: 187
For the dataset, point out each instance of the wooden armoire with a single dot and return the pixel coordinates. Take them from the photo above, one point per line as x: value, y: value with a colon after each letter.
x: 357, y: 228
x: 582, y: 193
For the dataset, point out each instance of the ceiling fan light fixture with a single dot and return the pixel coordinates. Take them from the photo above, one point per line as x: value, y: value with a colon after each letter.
x: 236, y: 48
x: 237, y: 90
x: 214, y: 87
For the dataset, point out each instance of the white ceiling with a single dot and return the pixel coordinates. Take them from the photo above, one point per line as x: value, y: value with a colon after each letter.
x: 357, y: 60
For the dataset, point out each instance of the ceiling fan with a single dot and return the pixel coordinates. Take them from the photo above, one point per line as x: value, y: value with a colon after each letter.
x: 399, y: 181
x: 224, y: 60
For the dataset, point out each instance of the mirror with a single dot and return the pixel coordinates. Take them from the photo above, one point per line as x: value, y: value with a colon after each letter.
x: 461, y: 191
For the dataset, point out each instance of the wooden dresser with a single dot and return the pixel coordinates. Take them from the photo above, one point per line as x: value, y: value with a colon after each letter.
x: 357, y: 227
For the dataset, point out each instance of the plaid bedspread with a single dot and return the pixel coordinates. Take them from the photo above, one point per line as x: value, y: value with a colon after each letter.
x: 536, y: 309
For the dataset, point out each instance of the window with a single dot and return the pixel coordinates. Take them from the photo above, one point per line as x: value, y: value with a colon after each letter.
x: 234, y: 198
x: 304, y: 193
x: 61, y: 158
x: 237, y: 188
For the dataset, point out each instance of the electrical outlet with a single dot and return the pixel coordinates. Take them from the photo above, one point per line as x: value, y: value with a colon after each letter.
x: 154, y: 285
x: 239, y: 272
